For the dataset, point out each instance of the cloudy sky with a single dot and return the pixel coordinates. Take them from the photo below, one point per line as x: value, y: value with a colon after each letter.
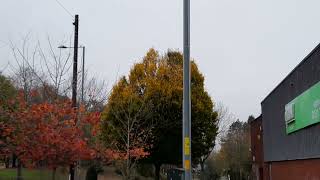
x: 243, y: 47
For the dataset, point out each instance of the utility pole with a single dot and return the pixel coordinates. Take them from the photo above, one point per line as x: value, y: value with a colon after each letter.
x: 74, y: 78
x: 186, y: 93
x: 75, y: 62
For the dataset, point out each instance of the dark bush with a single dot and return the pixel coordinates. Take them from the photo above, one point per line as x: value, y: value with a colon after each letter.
x: 93, y: 171
x: 145, y: 170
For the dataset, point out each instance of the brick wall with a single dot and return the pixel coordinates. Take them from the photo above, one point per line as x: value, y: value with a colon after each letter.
x: 257, y: 148
x: 308, y: 169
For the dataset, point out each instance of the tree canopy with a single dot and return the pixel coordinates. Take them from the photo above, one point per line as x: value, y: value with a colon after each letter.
x: 154, y: 88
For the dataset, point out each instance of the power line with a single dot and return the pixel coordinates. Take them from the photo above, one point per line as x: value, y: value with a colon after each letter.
x: 64, y: 8
x: 4, y: 44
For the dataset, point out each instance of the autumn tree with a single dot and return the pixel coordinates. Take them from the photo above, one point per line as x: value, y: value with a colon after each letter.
x: 45, y: 70
x: 126, y: 126
x: 157, y: 81
x: 48, y: 133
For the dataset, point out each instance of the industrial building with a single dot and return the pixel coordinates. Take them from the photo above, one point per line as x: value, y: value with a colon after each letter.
x: 285, y: 139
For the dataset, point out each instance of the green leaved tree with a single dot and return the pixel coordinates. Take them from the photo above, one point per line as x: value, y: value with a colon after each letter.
x: 154, y: 87
x: 7, y: 90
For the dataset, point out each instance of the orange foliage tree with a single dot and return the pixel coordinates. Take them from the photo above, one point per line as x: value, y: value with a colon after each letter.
x: 47, y: 133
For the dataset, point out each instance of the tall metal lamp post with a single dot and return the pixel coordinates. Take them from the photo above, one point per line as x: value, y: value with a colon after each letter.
x: 187, y: 166
x: 82, y: 86
x: 83, y: 61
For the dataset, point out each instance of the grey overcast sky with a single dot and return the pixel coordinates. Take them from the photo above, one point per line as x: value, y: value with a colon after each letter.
x: 243, y: 47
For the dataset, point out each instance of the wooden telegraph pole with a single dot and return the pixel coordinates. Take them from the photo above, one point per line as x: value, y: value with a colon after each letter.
x: 74, y: 78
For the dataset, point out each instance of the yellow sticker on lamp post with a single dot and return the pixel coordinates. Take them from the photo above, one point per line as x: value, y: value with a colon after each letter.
x: 187, y: 164
x: 186, y: 146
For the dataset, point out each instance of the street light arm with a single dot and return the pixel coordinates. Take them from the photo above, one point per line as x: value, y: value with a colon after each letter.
x: 66, y: 47
x: 62, y: 47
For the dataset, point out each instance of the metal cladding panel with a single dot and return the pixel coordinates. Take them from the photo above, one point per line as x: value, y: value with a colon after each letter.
x: 304, y: 143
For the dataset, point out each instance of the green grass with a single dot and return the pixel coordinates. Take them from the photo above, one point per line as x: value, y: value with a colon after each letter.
x: 30, y: 174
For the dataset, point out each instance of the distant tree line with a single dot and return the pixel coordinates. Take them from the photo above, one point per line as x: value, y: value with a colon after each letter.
x: 232, y: 160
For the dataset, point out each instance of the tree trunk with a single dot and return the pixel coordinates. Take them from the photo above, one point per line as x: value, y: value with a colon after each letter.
x: 71, y: 171
x: 202, y: 176
x: 157, y: 173
x: 7, y: 162
x: 128, y: 151
x: 19, y: 170
x: 202, y: 166
x: 14, y: 159
x: 54, y: 173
